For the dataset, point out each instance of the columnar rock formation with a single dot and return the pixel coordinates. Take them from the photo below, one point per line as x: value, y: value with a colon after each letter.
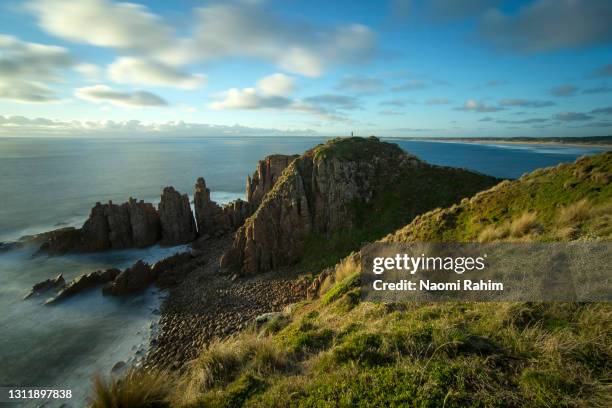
x: 140, y: 224
x: 318, y: 193
x: 177, y: 223
x: 263, y: 179
x: 213, y: 219
x: 210, y: 217
x: 145, y: 222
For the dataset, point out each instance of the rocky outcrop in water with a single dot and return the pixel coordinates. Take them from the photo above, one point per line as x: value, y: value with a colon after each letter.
x: 46, y: 285
x: 140, y: 224
x: 134, y: 279
x: 177, y: 223
x: 84, y: 282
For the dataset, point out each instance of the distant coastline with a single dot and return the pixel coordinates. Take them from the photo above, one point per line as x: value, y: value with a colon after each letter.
x: 596, y: 141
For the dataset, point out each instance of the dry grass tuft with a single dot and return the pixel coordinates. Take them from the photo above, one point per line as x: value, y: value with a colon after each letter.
x: 137, y: 389
x: 224, y: 360
x: 524, y: 225
x: 574, y: 213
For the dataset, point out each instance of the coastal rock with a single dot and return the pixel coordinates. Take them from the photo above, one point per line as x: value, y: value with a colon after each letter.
x: 236, y: 212
x: 58, y: 241
x: 119, y: 225
x: 210, y: 217
x: 85, y: 282
x: 134, y: 279
x: 96, y: 231
x: 268, y: 171
x: 167, y: 264
x: 177, y: 222
x: 144, y: 222
x: 46, y: 285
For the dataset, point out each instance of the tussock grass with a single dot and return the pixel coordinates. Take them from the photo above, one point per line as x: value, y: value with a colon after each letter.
x: 137, y: 389
x: 224, y: 361
x: 575, y: 213
x: 526, y: 224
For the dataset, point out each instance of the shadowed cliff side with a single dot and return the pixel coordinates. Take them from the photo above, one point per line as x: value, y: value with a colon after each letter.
x: 338, y: 195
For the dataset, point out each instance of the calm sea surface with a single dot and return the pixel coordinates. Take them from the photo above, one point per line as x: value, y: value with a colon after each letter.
x: 50, y: 183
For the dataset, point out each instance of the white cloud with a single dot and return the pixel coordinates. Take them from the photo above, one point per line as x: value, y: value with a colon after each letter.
x: 140, y: 71
x: 227, y: 30
x: 24, y: 66
x: 220, y: 30
x: 103, y: 93
x: 277, y: 84
x: 26, y: 92
x: 23, y: 126
x: 272, y: 92
x: 250, y: 98
x: 104, y: 23
x: 91, y: 72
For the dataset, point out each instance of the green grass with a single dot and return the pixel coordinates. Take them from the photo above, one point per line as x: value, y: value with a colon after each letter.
x: 552, y: 195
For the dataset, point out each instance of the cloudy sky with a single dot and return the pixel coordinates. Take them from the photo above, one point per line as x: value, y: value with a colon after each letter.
x: 248, y: 67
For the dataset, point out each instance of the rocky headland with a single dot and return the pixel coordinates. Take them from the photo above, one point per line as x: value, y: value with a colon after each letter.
x: 332, y: 189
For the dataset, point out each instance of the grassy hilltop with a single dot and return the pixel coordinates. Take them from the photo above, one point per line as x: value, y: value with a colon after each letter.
x: 338, y: 351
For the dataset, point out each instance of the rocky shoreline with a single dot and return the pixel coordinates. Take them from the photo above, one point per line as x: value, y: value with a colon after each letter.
x: 204, y: 304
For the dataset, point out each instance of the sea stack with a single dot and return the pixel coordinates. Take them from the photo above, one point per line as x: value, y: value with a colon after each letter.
x: 209, y: 215
x: 177, y: 222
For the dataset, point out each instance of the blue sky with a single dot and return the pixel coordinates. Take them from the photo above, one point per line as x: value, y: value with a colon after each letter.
x: 394, y: 68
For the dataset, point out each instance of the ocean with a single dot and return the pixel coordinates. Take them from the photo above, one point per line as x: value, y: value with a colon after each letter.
x: 48, y: 183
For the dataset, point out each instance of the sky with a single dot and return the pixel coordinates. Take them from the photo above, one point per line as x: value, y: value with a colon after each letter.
x: 440, y: 68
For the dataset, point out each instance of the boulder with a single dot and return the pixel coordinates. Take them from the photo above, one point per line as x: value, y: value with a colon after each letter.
x: 177, y: 222
x: 168, y: 264
x: 134, y: 279
x: 46, y: 285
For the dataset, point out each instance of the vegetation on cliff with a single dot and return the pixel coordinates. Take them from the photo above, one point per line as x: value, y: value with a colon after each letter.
x: 338, y: 351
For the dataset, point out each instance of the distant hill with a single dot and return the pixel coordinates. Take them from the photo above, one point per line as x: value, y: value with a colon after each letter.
x: 587, y: 140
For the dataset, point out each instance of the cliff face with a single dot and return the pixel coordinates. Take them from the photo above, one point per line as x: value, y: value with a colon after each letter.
x: 321, y: 193
x: 263, y: 179
x: 213, y: 219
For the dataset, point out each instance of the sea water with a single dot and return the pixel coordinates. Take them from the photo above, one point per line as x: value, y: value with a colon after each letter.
x: 48, y: 183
